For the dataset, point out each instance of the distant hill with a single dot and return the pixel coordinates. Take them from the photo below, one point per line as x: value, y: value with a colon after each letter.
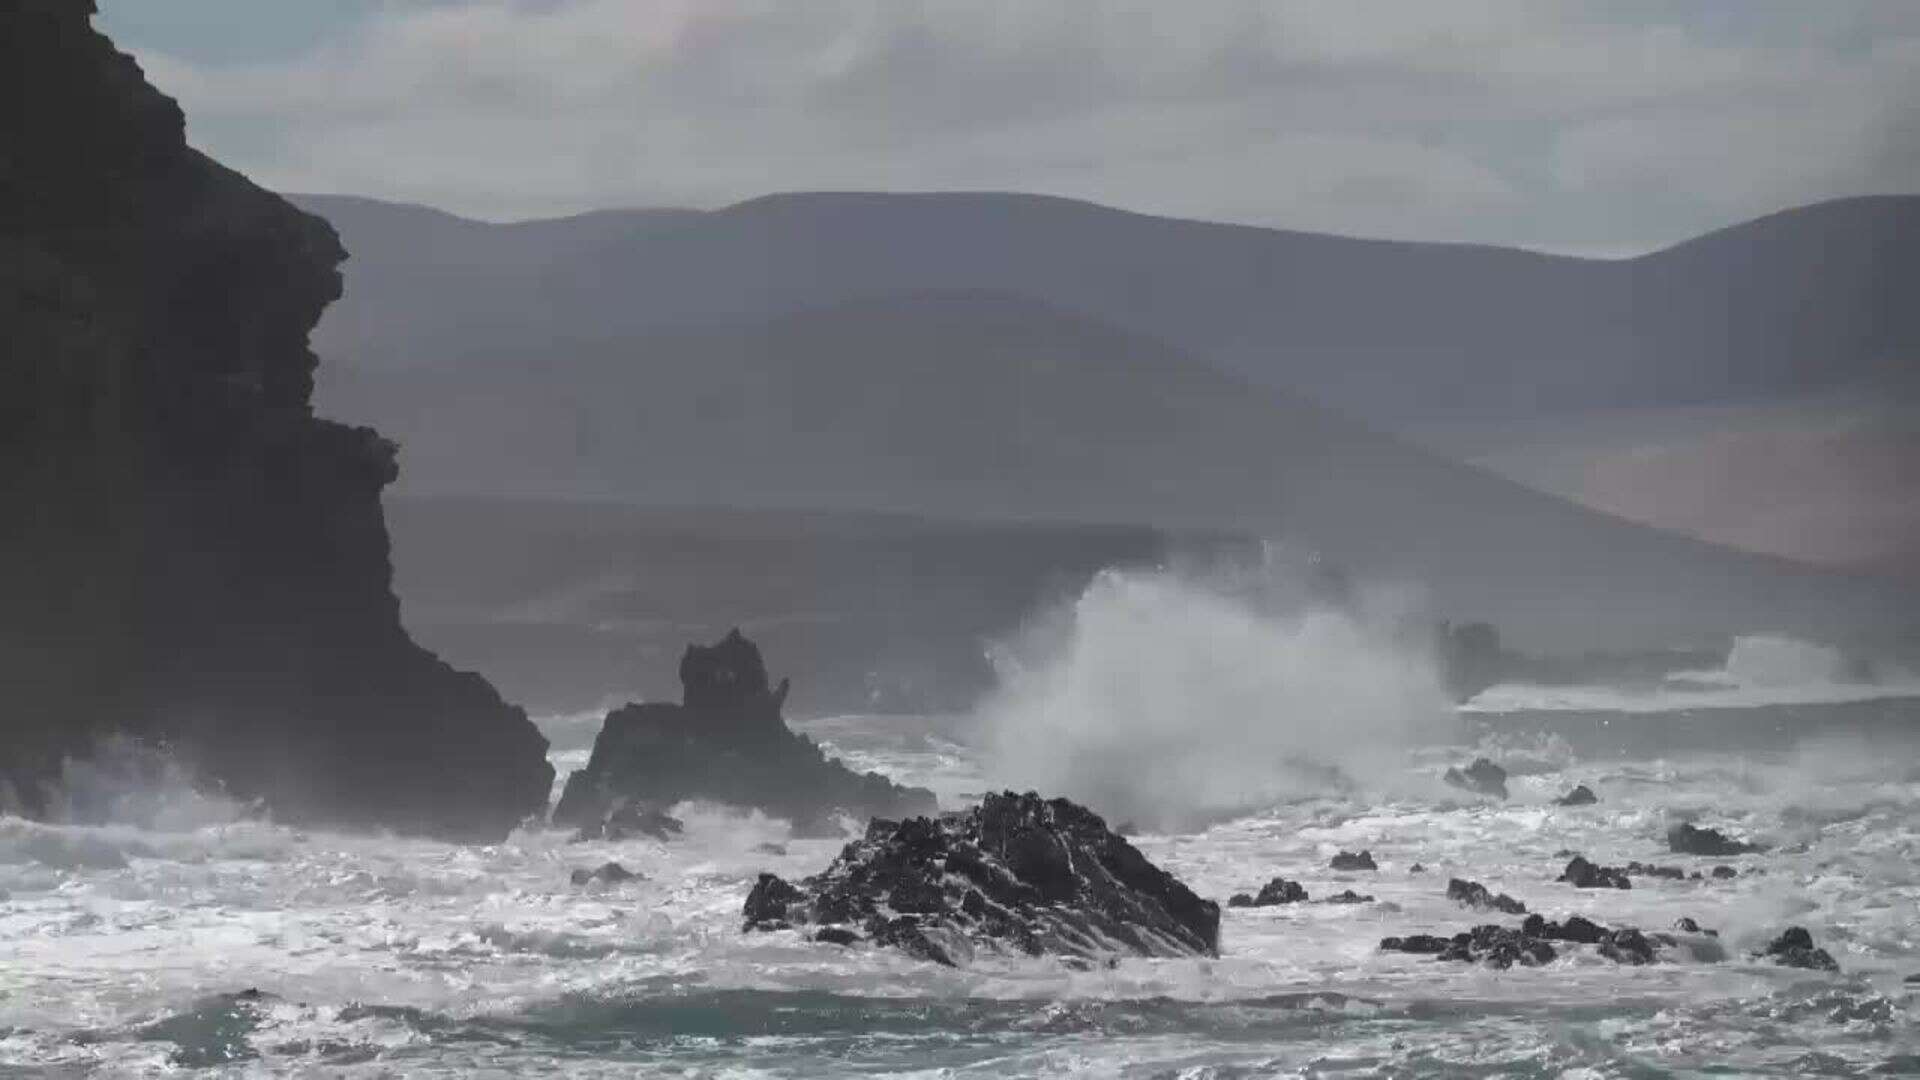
x: 1479, y: 352
x: 1804, y: 300
x: 995, y: 407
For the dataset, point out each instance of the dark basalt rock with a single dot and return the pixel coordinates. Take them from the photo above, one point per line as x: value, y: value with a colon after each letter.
x: 1280, y: 891
x: 725, y: 742
x: 1686, y: 924
x: 1482, y: 777
x: 1581, y: 795
x: 1416, y: 868
x: 1671, y: 873
x: 1582, y: 874
x: 1722, y: 873
x: 1499, y: 947
x: 1685, y: 839
x: 1018, y: 875
x: 1530, y: 944
x: 1795, y: 948
x: 1628, y: 946
x: 1347, y: 860
x: 1420, y: 944
x: 1347, y: 896
x: 608, y: 874
x: 1576, y: 929
x: 1475, y: 895
x: 768, y: 904
x: 190, y: 558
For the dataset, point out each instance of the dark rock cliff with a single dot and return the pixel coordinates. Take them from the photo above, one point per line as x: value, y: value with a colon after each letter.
x: 188, y: 555
x: 726, y: 743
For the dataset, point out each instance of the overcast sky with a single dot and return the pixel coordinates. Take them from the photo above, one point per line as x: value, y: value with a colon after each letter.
x: 1574, y: 126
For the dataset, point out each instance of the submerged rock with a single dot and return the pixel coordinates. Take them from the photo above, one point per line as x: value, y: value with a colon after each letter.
x: 608, y: 874
x: 1722, y: 873
x: 1686, y: 924
x: 1576, y: 929
x: 1475, y: 895
x: 725, y: 742
x: 1581, y: 795
x: 1275, y: 892
x: 1582, y: 874
x: 1347, y: 896
x: 1017, y: 874
x: 1795, y: 948
x: 1685, y: 839
x: 1482, y: 777
x: 1347, y: 860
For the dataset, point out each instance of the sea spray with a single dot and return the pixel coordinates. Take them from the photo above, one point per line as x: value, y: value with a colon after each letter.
x: 1168, y: 699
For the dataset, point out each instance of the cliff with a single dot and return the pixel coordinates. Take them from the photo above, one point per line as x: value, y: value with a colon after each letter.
x: 187, y: 554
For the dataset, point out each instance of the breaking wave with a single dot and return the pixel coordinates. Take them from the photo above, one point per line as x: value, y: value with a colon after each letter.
x: 1230, y: 692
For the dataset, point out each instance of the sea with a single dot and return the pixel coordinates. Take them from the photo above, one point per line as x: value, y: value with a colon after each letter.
x: 193, y: 936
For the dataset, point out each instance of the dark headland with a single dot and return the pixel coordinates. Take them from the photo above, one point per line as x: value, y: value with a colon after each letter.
x: 189, y: 556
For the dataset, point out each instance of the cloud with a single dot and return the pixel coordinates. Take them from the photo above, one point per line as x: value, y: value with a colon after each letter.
x: 1563, y: 125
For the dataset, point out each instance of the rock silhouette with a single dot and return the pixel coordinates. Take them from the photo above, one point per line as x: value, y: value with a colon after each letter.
x: 1581, y: 795
x: 725, y: 742
x: 192, y: 558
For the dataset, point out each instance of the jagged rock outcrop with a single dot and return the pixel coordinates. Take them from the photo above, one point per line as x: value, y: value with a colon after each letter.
x: 1017, y: 874
x: 1581, y: 795
x: 1685, y: 839
x: 726, y: 742
x: 1475, y: 895
x: 190, y: 557
x: 1274, y: 892
x: 1482, y: 777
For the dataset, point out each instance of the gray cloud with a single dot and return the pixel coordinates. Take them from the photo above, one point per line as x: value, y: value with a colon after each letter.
x: 1565, y: 125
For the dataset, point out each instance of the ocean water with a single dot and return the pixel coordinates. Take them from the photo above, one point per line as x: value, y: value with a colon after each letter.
x: 196, y: 938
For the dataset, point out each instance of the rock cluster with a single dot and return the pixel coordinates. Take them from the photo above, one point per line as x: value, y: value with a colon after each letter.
x: 1685, y: 839
x: 1475, y: 895
x: 726, y: 742
x: 1277, y: 891
x: 1482, y: 777
x: 1533, y: 942
x: 1017, y: 874
x: 191, y: 558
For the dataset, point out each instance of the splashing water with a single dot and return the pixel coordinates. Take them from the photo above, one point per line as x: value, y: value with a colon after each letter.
x: 1227, y: 702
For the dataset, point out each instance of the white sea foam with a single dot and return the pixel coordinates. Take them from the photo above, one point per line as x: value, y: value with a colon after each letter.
x: 1760, y: 670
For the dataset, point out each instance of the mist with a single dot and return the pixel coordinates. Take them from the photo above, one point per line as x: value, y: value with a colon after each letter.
x: 1231, y: 690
